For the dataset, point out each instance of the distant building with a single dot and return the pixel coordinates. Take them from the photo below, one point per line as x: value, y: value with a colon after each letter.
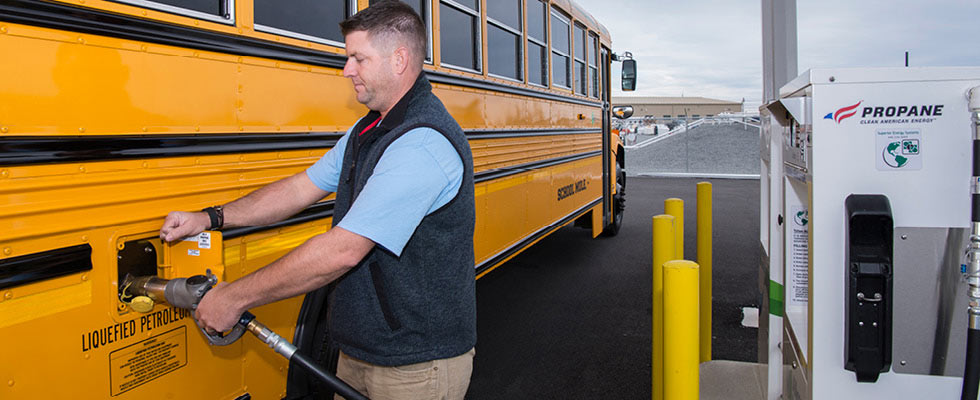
x: 673, y: 108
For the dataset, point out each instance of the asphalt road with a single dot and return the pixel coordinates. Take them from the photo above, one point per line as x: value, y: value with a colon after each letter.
x: 569, y: 318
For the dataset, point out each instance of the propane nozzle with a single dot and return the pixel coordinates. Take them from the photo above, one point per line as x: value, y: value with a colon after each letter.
x: 183, y: 293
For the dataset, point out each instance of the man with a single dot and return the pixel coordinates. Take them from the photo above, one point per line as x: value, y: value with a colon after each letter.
x: 403, y: 311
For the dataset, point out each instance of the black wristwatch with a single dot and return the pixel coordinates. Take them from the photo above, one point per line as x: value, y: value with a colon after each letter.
x: 217, y: 216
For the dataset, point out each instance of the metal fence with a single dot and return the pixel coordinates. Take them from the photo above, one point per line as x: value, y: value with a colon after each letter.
x: 709, y: 147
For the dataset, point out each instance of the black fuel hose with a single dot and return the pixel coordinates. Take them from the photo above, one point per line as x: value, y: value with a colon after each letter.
x: 341, y: 387
x: 971, y: 377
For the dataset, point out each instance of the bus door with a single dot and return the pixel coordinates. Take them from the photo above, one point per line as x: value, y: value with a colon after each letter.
x: 607, y: 172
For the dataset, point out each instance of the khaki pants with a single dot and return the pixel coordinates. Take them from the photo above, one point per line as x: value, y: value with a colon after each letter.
x: 445, y: 379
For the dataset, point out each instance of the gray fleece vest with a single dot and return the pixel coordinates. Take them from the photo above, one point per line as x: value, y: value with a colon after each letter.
x: 421, y: 306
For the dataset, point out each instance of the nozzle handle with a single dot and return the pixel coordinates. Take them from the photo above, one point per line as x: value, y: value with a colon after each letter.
x: 220, y: 339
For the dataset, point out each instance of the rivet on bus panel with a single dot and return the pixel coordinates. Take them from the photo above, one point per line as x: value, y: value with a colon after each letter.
x: 81, y: 129
x: 144, y: 13
x: 197, y: 161
x: 84, y: 277
x: 81, y: 169
x: 84, y: 238
x: 197, y: 129
x: 241, y: 158
x: 4, y: 174
x: 87, y: 356
x: 196, y: 54
x: 4, y: 129
x: 6, y: 252
x: 145, y: 164
x: 3, y: 29
x: 277, y: 65
x: 142, y: 47
x: 10, y: 382
x: 144, y: 129
x: 81, y: 40
x: 8, y: 295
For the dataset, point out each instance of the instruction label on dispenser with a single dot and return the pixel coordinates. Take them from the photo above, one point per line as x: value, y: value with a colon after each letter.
x: 139, y: 363
x: 799, y: 276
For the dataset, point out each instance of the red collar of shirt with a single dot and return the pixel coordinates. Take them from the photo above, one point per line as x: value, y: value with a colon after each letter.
x: 372, y: 125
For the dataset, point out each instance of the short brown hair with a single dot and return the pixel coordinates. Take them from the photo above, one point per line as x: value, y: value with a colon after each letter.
x: 388, y: 18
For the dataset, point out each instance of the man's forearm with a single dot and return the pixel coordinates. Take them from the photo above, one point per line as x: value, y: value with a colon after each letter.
x: 272, y: 203
x: 319, y: 261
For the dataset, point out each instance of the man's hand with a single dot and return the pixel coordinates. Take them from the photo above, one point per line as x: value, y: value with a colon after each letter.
x: 179, y: 225
x: 218, y: 311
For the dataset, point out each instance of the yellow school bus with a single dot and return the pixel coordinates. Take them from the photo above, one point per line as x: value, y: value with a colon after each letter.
x: 113, y: 113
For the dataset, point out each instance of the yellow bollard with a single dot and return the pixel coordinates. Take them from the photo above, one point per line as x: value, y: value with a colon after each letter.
x: 675, y: 207
x: 681, y: 333
x: 704, y: 263
x: 663, y: 251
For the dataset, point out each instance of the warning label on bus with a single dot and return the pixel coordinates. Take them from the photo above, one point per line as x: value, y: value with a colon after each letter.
x: 139, y: 363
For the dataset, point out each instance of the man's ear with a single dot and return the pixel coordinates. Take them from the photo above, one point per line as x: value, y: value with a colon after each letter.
x: 399, y: 60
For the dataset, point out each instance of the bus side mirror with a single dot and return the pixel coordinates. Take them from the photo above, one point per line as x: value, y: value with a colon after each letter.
x: 622, y: 112
x: 629, y: 75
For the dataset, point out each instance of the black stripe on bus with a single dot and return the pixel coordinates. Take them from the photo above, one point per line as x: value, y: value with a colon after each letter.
x: 314, y: 212
x: 518, y: 247
x: 27, y: 150
x: 498, y: 173
x: 96, y: 22
x: 24, y: 150
x: 325, y: 209
x: 500, y: 134
x: 442, y: 77
x: 30, y: 268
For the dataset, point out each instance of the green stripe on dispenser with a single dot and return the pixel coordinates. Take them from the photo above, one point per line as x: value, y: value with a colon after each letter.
x: 775, y: 298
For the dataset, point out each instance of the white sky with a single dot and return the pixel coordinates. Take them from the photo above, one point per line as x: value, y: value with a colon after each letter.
x: 713, y: 48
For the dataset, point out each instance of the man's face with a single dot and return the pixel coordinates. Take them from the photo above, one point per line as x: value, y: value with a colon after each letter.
x: 369, y: 70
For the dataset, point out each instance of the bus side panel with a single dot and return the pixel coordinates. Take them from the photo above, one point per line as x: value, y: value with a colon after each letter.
x: 84, y: 84
x: 543, y: 197
x: 73, y: 328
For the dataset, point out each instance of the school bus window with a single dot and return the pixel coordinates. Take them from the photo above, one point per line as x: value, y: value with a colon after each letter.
x: 580, y: 51
x: 424, y: 9
x: 537, y: 46
x: 459, y: 37
x: 505, y: 54
x: 212, y: 10
x: 560, y: 49
x: 313, y: 20
x: 593, y: 64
